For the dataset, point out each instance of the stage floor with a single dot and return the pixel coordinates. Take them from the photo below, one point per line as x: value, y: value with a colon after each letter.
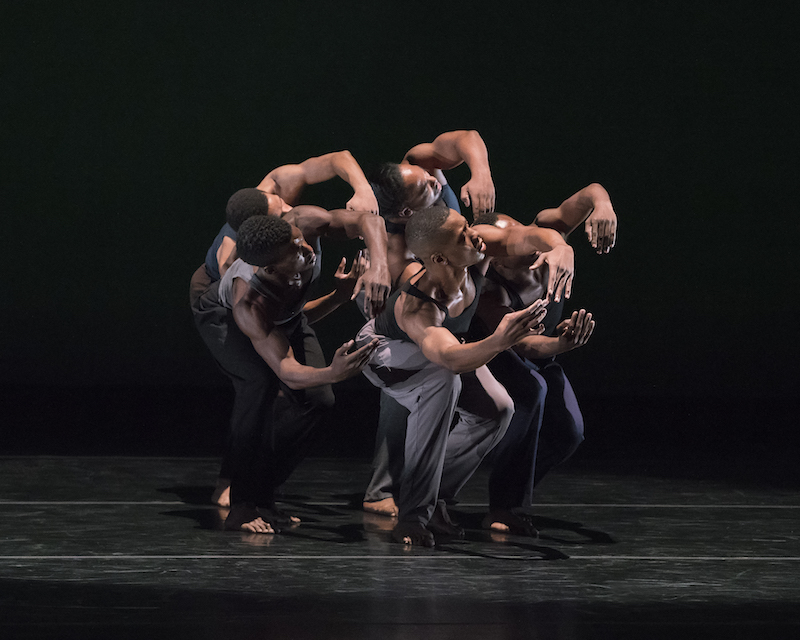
x: 102, y: 547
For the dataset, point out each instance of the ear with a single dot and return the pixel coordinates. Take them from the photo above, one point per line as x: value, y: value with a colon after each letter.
x: 438, y: 258
x: 269, y: 269
x: 405, y: 212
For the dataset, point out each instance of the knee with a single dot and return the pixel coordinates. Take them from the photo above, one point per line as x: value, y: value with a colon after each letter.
x: 504, y: 410
x: 576, y: 430
x: 572, y: 433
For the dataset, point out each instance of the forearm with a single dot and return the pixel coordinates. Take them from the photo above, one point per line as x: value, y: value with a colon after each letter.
x: 462, y: 358
x: 316, y: 310
x: 299, y: 376
x: 518, y: 241
x: 471, y: 148
x: 539, y: 347
x: 449, y: 150
x: 347, y: 168
x: 373, y: 230
x: 574, y: 210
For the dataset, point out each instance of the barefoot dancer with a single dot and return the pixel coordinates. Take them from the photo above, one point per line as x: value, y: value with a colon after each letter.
x: 416, y: 183
x: 255, y: 322
x: 419, y: 360
x: 547, y: 426
x: 277, y: 194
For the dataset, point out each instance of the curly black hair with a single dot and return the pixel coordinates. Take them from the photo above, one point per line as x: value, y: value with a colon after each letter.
x: 423, y: 229
x: 244, y: 204
x: 262, y: 239
x: 389, y: 187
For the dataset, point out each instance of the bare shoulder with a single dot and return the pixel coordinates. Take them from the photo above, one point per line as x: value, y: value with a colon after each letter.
x: 310, y: 219
x: 414, y: 315
x: 253, y: 316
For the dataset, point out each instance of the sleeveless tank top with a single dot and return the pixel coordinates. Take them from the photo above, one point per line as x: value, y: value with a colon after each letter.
x: 386, y: 323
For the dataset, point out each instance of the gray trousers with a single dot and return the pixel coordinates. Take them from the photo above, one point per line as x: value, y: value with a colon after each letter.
x: 453, y: 422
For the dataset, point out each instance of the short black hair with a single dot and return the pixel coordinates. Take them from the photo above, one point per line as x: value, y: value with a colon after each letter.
x: 389, y: 187
x: 244, y: 204
x: 262, y: 239
x: 423, y: 229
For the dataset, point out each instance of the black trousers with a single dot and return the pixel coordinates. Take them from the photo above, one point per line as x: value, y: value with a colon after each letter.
x: 272, y: 426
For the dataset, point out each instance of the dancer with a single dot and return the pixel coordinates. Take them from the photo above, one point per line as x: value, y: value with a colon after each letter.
x: 418, y: 181
x: 547, y: 426
x: 255, y: 322
x: 420, y: 357
x: 314, y: 222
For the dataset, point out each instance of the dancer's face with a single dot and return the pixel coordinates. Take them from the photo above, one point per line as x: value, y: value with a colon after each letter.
x: 295, y: 264
x: 462, y: 246
x: 422, y: 189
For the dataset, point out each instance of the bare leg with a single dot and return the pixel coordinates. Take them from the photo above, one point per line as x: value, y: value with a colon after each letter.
x: 222, y: 493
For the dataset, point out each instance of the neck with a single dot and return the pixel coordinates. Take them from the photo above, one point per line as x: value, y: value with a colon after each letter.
x: 443, y: 281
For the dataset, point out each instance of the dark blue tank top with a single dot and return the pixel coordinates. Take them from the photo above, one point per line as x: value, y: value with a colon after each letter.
x: 212, y: 267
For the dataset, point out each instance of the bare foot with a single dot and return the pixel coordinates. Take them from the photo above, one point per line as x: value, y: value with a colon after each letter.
x: 275, y: 514
x: 222, y: 494
x: 385, y: 507
x: 413, y: 533
x: 441, y: 524
x: 507, y: 521
x: 245, y: 517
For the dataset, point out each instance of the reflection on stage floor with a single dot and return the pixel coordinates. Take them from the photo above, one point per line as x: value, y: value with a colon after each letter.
x: 131, y: 548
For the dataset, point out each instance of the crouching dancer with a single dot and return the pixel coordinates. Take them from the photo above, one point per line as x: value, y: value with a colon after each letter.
x: 256, y: 321
x: 422, y: 364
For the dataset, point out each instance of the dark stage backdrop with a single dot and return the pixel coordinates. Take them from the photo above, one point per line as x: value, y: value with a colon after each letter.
x: 126, y: 126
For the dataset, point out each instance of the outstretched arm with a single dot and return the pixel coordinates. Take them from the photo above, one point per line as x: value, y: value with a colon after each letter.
x: 451, y: 149
x: 441, y: 347
x: 573, y: 332
x: 315, y: 222
x: 591, y: 206
x: 275, y: 350
x: 289, y: 180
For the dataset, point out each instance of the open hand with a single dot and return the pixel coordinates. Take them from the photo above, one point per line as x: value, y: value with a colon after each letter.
x: 561, y: 270
x: 576, y: 330
x: 601, y: 228
x: 349, y: 361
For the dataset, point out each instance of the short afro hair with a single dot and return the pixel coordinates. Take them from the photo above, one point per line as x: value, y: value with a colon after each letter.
x: 389, y: 187
x: 423, y: 229
x: 262, y: 239
x: 244, y: 204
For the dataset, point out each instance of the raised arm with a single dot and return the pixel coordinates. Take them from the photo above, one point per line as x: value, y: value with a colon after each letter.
x: 450, y: 150
x: 521, y: 241
x: 315, y: 222
x: 288, y: 181
x: 590, y: 206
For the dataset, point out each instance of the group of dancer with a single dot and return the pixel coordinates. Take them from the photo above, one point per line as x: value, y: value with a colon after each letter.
x: 464, y: 322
